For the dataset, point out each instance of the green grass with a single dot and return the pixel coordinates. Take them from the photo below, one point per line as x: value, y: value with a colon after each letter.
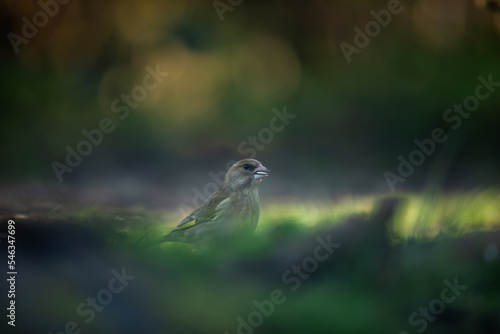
x: 426, y: 217
x: 363, y: 287
x: 421, y: 217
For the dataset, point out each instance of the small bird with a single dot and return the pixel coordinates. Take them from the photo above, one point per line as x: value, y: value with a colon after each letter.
x: 231, y: 211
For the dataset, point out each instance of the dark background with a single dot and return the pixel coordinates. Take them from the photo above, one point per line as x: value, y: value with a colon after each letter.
x: 352, y: 121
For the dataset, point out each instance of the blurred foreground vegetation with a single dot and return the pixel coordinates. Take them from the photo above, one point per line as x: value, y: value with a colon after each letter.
x: 395, y: 254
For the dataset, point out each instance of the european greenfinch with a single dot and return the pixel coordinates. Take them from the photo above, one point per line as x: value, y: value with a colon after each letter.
x: 233, y: 210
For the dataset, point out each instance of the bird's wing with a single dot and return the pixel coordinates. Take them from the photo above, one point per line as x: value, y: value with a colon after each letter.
x: 209, y: 211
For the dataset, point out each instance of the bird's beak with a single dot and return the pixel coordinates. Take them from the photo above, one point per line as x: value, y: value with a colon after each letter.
x: 260, y: 172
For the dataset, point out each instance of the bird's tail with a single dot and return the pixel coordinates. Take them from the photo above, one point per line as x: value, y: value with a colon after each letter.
x: 171, y: 237
x: 160, y: 240
x: 151, y: 243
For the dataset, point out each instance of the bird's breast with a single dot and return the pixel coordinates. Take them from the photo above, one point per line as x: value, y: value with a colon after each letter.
x: 245, y: 213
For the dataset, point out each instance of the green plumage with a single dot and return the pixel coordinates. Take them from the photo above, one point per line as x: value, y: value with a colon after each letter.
x: 231, y: 211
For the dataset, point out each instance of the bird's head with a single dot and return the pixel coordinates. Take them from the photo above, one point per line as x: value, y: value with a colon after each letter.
x: 244, y: 174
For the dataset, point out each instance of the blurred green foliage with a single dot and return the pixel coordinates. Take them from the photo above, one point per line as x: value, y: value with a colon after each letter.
x: 365, y: 285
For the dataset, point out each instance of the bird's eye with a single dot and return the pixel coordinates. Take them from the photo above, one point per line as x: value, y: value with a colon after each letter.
x: 246, y: 166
